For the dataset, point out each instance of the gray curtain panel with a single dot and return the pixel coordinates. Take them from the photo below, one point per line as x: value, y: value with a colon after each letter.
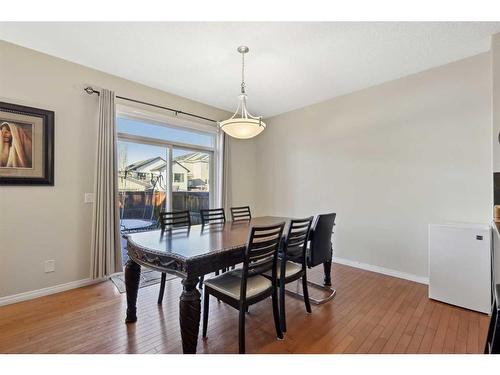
x: 106, y: 252
x: 224, y: 177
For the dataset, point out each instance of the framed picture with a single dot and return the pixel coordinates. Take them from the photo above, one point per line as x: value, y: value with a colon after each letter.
x: 26, y: 145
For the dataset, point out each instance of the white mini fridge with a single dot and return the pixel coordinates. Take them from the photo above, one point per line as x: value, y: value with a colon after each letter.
x: 460, y: 265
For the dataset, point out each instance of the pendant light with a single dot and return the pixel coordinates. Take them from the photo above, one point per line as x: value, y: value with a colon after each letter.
x: 242, y: 124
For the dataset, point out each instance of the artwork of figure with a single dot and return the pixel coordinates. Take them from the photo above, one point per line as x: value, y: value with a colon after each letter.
x: 16, y: 150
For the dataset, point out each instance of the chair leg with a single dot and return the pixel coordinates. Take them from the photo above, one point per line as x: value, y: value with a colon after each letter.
x: 274, y: 298
x: 327, y: 268
x: 200, y: 284
x: 162, y: 287
x: 305, y: 290
x: 241, y: 330
x: 282, y: 307
x: 206, y: 305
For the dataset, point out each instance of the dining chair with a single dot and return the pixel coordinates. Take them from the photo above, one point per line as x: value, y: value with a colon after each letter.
x: 291, y: 265
x: 240, y: 214
x: 320, y: 251
x: 177, y: 219
x: 213, y: 216
x: 172, y: 221
x: 243, y: 287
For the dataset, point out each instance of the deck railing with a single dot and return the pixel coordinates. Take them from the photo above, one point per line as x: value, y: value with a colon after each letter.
x: 145, y: 205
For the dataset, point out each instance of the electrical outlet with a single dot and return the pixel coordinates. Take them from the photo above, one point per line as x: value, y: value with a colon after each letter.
x: 50, y: 266
x: 89, y: 198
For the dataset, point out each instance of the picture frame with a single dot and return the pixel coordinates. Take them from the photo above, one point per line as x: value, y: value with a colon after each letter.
x: 26, y: 145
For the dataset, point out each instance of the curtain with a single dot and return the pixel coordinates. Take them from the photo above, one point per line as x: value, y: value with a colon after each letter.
x: 224, y: 199
x: 106, y: 247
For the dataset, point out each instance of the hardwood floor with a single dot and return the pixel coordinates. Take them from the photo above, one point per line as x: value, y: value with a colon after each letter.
x: 372, y: 313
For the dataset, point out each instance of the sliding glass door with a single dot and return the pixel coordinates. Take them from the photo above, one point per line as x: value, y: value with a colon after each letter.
x: 163, y: 166
x: 191, y: 171
x: 142, y: 184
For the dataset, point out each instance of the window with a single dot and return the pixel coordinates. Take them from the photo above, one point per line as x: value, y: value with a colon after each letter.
x: 178, y: 177
x: 142, y: 184
x: 193, y: 193
x: 164, y: 164
x: 142, y: 128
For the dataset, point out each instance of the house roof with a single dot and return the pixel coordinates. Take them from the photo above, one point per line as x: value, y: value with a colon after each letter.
x: 196, y: 182
x: 192, y: 157
x: 143, y: 163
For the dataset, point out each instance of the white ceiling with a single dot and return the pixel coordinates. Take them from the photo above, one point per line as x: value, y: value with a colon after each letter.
x: 290, y: 65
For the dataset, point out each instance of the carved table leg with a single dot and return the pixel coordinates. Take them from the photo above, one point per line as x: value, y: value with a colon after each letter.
x: 132, y: 276
x: 189, y: 315
x: 327, y: 267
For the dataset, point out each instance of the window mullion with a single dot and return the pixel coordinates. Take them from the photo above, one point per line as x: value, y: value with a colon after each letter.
x: 169, y: 178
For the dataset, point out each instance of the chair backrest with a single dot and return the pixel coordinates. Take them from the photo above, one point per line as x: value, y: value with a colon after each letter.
x: 321, y: 240
x: 261, y: 252
x: 295, y: 245
x: 173, y: 220
x: 213, y: 216
x: 240, y: 213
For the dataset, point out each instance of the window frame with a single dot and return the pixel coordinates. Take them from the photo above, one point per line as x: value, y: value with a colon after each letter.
x: 160, y: 119
x: 180, y: 179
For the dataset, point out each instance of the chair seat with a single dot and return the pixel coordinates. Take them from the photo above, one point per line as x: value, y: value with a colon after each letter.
x: 229, y: 283
x: 291, y: 269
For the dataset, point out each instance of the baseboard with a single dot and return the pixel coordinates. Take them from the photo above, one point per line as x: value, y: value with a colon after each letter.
x: 80, y: 283
x: 47, y: 291
x: 382, y: 270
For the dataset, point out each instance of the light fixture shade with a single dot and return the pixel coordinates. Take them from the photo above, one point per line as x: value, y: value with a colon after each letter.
x: 242, y: 128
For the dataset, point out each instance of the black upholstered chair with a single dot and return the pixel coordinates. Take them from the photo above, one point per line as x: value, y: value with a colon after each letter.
x: 246, y: 286
x: 213, y: 216
x: 174, y: 223
x: 320, y: 252
x: 292, y: 263
x: 240, y: 214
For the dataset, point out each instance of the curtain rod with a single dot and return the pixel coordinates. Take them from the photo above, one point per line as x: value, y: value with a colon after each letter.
x: 89, y: 90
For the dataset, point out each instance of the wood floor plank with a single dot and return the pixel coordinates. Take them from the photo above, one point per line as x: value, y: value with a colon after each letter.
x: 451, y: 333
x: 473, y: 334
x: 372, y: 313
x: 462, y: 332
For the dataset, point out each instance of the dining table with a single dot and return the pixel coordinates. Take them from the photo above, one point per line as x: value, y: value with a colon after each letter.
x: 190, y: 253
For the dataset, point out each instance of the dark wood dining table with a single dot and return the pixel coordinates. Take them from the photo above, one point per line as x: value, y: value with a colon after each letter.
x: 189, y: 253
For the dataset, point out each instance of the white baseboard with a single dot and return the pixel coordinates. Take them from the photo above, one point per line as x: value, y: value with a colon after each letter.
x: 382, y: 270
x: 79, y: 283
x: 47, y: 291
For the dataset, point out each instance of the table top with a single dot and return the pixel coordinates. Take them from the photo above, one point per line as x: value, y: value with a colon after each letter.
x: 199, y: 241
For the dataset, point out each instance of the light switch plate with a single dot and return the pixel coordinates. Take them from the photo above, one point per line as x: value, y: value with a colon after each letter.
x: 89, y: 198
x: 50, y: 265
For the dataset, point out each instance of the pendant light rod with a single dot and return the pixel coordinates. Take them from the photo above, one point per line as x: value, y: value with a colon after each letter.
x: 243, y: 50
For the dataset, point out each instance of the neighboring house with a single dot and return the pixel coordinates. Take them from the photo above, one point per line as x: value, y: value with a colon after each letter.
x: 180, y: 177
x: 190, y: 173
x: 143, y: 175
x: 197, y: 164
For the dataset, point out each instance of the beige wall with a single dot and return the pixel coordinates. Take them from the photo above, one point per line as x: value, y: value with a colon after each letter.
x: 389, y: 160
x: 40, y: 223
x: 243, y: 171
